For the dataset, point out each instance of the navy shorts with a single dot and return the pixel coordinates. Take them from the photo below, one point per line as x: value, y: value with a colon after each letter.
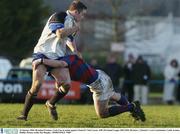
x: 39, y: 56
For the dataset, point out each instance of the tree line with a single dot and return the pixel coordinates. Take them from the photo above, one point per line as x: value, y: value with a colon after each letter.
x: 21, y: 22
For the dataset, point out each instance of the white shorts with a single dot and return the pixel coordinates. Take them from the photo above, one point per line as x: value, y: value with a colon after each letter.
x: 102, y: 88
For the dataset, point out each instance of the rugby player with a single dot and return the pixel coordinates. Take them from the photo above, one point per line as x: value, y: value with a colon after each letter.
x: 100, y: 85
x: 52, y: 44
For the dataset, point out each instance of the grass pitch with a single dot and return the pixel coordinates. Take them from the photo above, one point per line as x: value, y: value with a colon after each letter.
x: 83, y: 116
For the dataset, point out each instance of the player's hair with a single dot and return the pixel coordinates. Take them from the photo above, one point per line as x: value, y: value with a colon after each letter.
x: 58, y: 17
x: 77, y: 5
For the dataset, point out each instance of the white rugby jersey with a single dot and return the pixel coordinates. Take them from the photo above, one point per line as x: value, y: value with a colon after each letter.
x: 69, y: 20
x: 49, y: 44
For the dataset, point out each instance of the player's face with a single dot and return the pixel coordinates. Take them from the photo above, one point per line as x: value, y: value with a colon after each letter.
x: 80, y: 16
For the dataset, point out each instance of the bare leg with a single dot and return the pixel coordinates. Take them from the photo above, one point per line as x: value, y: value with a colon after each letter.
x: 62, y: 78
x: 38, y: 77
x: 101, y: 108
x: 103, y: 111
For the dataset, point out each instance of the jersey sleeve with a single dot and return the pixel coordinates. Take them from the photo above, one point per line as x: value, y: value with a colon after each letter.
x: 54, y: 26
x: 69, y: 22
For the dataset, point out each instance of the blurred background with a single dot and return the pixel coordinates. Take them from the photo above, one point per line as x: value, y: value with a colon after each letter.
x: 136, y: 42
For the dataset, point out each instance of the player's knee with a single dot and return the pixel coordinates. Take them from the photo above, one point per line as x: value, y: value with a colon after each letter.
x: 33, y: 95
x: 63, y: 87
x: 35, y: 87
x: 66, y: 86
x: 102, y: 114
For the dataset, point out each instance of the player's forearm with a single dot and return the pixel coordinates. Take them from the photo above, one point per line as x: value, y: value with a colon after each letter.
x: 61, y: 33
x: 55, y: 63
x: 79, y: 54
x: 71, y: 46
x: 68, y: 31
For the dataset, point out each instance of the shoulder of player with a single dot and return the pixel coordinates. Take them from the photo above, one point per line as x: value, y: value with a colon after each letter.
x: 69, y: 17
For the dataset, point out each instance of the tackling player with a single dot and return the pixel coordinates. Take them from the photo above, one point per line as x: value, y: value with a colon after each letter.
x: 99, y: 83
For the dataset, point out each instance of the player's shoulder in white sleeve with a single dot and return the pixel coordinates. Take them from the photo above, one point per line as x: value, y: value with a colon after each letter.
x: 69, y: 20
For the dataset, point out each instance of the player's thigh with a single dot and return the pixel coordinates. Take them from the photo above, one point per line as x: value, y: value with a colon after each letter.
x: 39, y: 73
x: 101, y: 107
x: 61, y: 75
x: 37, y: 77
x: 115, y: 96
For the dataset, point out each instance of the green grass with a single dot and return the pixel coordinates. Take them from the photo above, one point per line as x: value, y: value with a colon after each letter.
x: 83, y: 116
x: 155, y: 95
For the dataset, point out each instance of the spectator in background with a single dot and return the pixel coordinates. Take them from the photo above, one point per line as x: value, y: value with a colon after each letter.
x: 128, y: 83
x: 141, y: 76
x: 171, y: 78
x: 114, y: 70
